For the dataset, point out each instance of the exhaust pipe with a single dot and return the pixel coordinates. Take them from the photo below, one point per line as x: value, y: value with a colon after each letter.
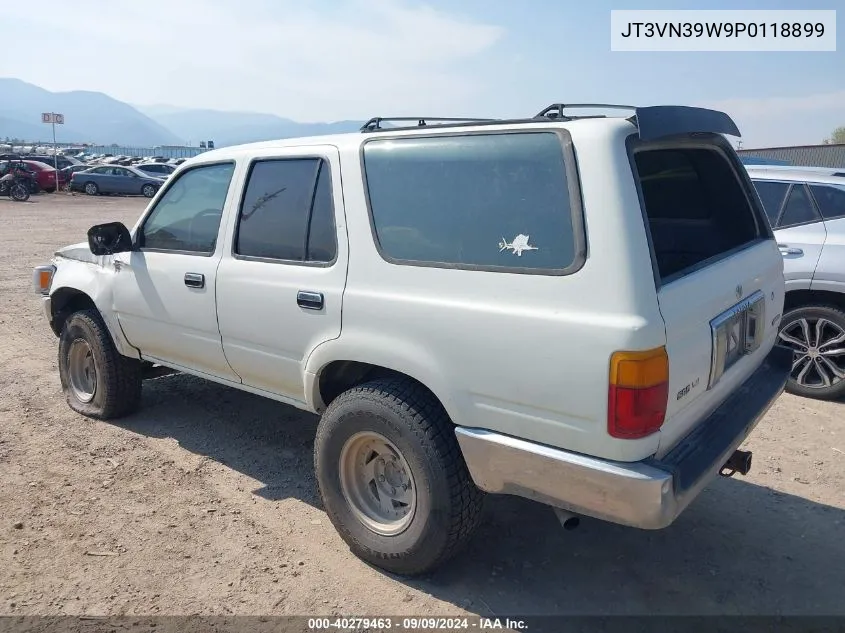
x: 739, y: 462
x: 567, y: 520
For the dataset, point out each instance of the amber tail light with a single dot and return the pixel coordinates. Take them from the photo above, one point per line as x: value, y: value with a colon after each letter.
x: 638, y: 393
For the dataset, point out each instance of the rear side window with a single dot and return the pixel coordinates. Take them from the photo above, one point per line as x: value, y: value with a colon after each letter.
x: 771, y: 195
x: 830, y: 200
x: 287, y: 212
x: 695, y: 206
x: 488, y: 201
x: 798, y: 209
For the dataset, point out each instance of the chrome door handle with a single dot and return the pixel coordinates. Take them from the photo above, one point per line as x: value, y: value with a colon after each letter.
x: 788, y: 250
x: 194, y: 280
x: 309, y: 300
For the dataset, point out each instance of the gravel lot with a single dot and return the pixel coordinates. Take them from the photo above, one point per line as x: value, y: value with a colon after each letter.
x: 204, y: 502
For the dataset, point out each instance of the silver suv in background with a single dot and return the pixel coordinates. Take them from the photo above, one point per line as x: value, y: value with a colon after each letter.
x: 806, y: 207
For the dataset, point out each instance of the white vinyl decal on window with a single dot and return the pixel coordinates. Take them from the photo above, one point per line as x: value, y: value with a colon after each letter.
x: 518, y: 245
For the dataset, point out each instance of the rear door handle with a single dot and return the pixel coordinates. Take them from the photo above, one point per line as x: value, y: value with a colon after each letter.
x: 788, y: 250
x: 309, y: 300
x: 194, y: 280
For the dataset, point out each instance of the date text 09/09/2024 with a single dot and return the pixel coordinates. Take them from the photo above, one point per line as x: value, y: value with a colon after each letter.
x: 416, y: 624
x: 723, y: 29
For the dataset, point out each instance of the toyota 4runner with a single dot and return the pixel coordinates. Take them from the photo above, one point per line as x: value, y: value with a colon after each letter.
x: 577, y: 309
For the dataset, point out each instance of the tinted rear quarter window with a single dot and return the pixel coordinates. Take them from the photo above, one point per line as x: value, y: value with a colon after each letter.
x: 695, y: 206
x: 830, y: 200
x: 484, y: 201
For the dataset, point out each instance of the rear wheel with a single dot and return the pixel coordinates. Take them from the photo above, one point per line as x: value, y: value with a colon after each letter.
x: 97, y: 380
x: 19, y: 192
x: 149, y: 191
x: 392, y: 477
x: 816, y: 334
x: 91, y: 188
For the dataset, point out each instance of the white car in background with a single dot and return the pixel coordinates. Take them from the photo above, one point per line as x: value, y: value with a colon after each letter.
x: 158, y: 170
x: 806, y: 207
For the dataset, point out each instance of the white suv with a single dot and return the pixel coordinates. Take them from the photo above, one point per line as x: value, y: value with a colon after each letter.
x: 806, y: 207
x: 581, y: 310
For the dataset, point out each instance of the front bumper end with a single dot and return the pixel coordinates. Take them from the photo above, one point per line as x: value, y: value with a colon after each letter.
x: 649, y: 494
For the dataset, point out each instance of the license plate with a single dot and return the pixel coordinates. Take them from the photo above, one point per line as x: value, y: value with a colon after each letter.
x: 736, y: 332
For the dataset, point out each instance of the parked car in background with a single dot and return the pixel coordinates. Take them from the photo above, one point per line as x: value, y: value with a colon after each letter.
x: 159, y: 170
x: 115, y: 179
x: 806, y: 207
x: 46, y: 175
x: 69, y: 171
x: 63, y: 161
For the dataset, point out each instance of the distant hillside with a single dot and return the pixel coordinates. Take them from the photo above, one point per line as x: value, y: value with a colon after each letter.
x: 232, y: 128
x: 91, y: 117
x: 96, y: 118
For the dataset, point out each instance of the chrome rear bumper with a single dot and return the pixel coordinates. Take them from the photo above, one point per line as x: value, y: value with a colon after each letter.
x: 649, y: 494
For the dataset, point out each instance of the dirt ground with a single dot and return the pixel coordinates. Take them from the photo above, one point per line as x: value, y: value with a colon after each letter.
x: 204, y: 502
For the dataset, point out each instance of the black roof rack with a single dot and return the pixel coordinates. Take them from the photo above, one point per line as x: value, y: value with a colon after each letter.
x: 555, y: 111
x: 375, y: 123
x: 652, y: 122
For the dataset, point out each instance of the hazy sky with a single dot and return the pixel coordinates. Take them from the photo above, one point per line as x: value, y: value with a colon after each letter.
x: 324, y: 60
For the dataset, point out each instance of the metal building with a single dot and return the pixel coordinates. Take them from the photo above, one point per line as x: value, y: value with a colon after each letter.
x: 832, y: 155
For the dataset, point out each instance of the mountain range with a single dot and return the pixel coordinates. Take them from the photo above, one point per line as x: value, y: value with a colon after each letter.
x: 98, y: 119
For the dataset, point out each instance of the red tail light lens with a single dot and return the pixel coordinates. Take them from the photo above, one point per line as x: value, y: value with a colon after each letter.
x: 638, y: 393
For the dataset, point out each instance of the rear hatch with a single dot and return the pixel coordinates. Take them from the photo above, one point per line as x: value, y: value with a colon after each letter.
x: 717, y: 268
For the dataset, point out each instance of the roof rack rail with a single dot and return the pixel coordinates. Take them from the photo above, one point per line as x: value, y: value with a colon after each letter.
x: 374, y: 124
x: 555, y: 111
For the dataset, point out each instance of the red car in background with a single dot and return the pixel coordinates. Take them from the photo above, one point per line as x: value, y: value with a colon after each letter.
x: 46, y: 175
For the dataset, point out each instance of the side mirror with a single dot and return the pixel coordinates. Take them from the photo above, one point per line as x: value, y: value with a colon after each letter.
x: 107, y: 239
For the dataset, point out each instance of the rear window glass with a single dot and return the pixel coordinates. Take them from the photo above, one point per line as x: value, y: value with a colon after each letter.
x: 494, y: 201
x: 695, y: 206
x: 771, y: 195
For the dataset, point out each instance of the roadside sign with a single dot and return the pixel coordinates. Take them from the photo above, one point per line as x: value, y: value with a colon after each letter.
x: 54, y: 118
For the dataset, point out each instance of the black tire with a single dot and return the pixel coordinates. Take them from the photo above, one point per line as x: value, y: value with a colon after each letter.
x: 448, y: 504
x: 117, y: 389
x: 149, y: 191
x: 19, y: 192
x: 91, y: 188
x: 790, y: 324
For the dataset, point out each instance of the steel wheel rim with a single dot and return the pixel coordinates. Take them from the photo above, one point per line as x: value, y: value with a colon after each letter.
x: 819, y: 351
x: 82, y: 370
x: 90, y: 189
x: 377, y: 483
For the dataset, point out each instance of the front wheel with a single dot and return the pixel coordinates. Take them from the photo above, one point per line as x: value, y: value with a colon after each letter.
x: 97, y: 380
x: 392, y: 477
x: 816, y: 335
